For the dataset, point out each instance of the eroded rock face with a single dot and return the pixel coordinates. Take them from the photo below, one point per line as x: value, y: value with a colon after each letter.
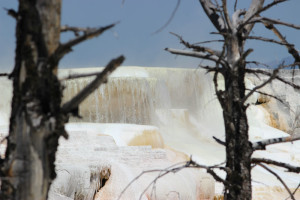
x: 284, y: 114
x: 90, y: 156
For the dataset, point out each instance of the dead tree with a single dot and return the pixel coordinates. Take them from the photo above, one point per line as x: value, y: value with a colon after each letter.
x: 231, y: 63
x: 37, y: 117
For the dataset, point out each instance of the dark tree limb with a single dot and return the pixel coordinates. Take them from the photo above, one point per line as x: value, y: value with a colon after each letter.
x: 4, y: 74
x: 208, y: 41
x: 196, y: 47
x: 65, y: 48
x: 258, y: 63
x: 291, y: 49
x: 261, y: 145
x: 290, y: 168
x: 101, y: 78
x: 263, y: 72
x: 170, y: 18
x: 269, y: 95
x: 271, y: 78
x: 273, y: 21
x: 268, y: 40
x: 11, y: 12
x: 280, y: 179
x: 219, y: 141
x: 211, y: 11
x: 74, y: 76
x: 226, y: 15
x: 195, y: 54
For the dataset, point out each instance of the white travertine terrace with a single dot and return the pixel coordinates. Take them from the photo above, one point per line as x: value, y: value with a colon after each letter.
x: 152, y: 118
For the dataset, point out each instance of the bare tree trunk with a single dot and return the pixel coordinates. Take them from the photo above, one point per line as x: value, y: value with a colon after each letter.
x: 36, y: 121
x: 238, y: 148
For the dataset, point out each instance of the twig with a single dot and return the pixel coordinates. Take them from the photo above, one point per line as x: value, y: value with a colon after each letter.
x: 268, y: 40
x: 273, y: 21
x: 101, y: 78
x: 263, y: 72
x: 208, y: 41
x: 289, y: 167
x: 170, y: 19
x: 235, y: 5
x: 219, y: 141
x: 291, y: 49
x: 74, y: 76
x: 261, y: 145
x: 295, y: 190
x: 278, y: 177
x: 269, y: 95
x: 226, y: 15
x: 194, y: 54
x: 271, y: 78
x: 173, y: 169
x: 195, y: 47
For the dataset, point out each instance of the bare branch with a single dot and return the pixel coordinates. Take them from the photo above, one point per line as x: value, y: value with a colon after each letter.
x: 271, y: 78
x: 170, y: 19
x: 268, y: 40
x: 11, y: 12
x: 101, y: 78
x: 255, y: 6
x: 219, y: 141
x: 294, y: 190
x: 75, y: 30
x: 246, y: 21
x: 261, y: 145
x: 195, y: 54
x: 176, y: 168
x: 226, y: 15
x: 211, y: 11
x: 235, y: 4
x: 278, y: 177
x: 263, y: 72
x: 74, y: 76
x: 269, y: 95
x: 290, y: 48
x: 195, y: 47
x: 289, y: 167
x: 4, y: 74
x: 273, y: 21
x: 67, y: 47
x: 208, y: 41
x: 258, y: 63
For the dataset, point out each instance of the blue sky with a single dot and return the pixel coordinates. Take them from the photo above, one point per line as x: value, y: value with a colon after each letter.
x: 133, y: 36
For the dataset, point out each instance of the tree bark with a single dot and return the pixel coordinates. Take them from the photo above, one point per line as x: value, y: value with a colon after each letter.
x: 36, y: 121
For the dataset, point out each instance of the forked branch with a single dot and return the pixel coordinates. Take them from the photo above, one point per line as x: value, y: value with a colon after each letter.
x: 101, y: 78
x: 291, y: 49
x: 174, y: 169
x: 196, y: 47
x: 65, y: 48
x: 213, y: 58
x: 280, y: 179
